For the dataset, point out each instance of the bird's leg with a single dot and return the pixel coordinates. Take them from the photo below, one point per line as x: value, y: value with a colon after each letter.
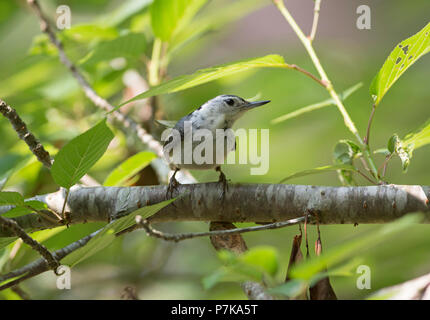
x: 173, y: 185
x: 222, y: 179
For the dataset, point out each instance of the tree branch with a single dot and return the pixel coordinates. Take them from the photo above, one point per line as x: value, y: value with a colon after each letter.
x: 16, y: 230
x: 24, y: 134
x: 203, y: 202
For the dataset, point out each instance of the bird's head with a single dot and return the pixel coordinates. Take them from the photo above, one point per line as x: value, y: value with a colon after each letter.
x: 232, y: 106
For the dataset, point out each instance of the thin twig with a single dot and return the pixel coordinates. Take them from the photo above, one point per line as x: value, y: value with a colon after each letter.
x: 184, y: 236
x: 315, y: 21
x: 321, y: 82
x: 21, y: 293
x: 39, y: 266
x: 64, y: 204
x: 24, y: 134
x: 367, y: 137
x: 366, y: 177
x: 384, y: 165
x: 306, y: 234
x: 16, y: 230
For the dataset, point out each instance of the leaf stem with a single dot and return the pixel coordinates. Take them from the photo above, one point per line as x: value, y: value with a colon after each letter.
x: 324, y: 78
x: 64, y: 204
x: 366, y: 138
x: 307, y: 73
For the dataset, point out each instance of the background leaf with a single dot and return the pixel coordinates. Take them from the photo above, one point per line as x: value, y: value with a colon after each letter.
x: 319, y: 105
x: 167, y: 16
x: 319, y: 170
x: 401, y: 58
x: 11, y: 198
x: 418, y: 138
x: 256, y: 264
x: 212, y: 20
x: 129, y: 168
x: 130, y: 46
x: 211, y: 74
x: 74, y: 160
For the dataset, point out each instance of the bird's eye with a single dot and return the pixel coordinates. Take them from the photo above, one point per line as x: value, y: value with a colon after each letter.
x: 230, y: 102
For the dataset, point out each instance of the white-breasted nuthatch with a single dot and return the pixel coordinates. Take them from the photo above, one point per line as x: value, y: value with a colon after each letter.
x: 218, y: 113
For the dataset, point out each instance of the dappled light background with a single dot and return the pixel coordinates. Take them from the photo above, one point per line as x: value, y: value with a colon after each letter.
x: 55, y: 109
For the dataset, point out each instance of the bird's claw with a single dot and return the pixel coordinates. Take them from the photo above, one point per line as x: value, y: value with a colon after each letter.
x: 222, y: 179
x: 172, y: 186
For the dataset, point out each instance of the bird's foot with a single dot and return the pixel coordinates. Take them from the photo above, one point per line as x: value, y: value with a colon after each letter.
x: 222, y: 179
x: 172, y: 186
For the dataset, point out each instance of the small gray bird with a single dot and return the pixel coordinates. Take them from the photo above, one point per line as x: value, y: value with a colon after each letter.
x: 218, y: 113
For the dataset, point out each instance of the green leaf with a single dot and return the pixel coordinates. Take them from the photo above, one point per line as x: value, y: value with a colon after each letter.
x: 130, y: 46
x: 291, y: 288
x: 16, y: 212
x: 262, y: 257
x: 401, y: 58
x: 319, y: 170
x: 210, y: 74
x: 11, y: 198
x: 124, y: 11
x: 310, y: 267
x: 168, y: 16
x: 258, y: 263
x: 25, y: 208
x: 74, y: 160
x: 404, y: 147
x: 396, y: 146
x: 345, y: 151
x: 106, y: 235
x: 10, y: 161
x: 212, y: 19
x: 29, y: 77
x: 418, y: 138
x: 214, y: 278
x: 129, y: 168
x: 36, y: 205
x: 393, y: 143
x: 42, y: 45
x: 88, y: 32
x: 328, y: 102
x: 4, y: 241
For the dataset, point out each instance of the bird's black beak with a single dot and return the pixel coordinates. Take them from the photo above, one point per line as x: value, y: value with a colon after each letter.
x: 256, y: 103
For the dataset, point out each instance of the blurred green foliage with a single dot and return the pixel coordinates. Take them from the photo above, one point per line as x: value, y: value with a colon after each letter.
x: 39, y: 87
